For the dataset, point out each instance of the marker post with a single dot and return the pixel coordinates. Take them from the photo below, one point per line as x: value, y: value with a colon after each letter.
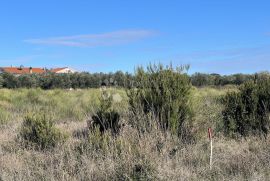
x: 210, y: 135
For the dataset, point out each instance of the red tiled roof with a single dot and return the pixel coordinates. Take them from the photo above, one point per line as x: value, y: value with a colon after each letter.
x: 18, y: 70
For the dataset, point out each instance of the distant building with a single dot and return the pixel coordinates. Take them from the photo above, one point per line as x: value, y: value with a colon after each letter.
x: 30, y: 70
x: 64, y: 70
x: 22, y: 70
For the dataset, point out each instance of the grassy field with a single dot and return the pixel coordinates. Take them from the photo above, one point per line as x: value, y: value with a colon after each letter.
x: 132, y: 155
x: 63, y: 105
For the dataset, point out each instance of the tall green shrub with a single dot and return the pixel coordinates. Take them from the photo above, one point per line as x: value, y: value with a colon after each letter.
x: 10, y: 81
x: 164, y: 92
x: 106, y: 117
x: 40, y: 132
x: 246, y: 112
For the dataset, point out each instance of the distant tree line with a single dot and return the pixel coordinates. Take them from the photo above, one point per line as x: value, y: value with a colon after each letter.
x: 117, y: 79
x: 201, y: 79
x: 65, y: 81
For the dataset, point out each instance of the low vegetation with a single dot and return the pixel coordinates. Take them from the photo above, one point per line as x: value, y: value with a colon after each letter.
x: 106, y: 118
x: 38, y: 131
x: 136, y: 134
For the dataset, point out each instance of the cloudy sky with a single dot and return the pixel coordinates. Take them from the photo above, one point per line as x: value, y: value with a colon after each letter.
x: 212, y: 36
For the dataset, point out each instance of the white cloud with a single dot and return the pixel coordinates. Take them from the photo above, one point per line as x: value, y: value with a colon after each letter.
x: 93, y: 40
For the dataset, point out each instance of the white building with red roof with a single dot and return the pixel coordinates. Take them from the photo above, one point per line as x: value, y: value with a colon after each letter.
x: 63, y: 70
x: 30, y: 70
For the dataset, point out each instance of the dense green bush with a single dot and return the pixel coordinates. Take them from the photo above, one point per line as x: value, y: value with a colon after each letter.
x: 40, y: 132
x: 164, y: 92
x: 246, y: 111
x: 106, y: 117
x: 28, y: 81
x: 1, y: 81
x: 10, y: 81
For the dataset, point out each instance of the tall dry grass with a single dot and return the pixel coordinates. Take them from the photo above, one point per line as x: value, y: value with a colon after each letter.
x: 135, y: 154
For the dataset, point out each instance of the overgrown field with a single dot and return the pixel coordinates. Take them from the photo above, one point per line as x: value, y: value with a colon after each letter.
x: 132, y: 154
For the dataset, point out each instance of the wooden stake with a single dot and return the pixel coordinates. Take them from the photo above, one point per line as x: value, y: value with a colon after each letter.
x: 210, y: 135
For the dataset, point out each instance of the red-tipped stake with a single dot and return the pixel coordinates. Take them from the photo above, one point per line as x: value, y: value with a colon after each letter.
x: 210, y: 135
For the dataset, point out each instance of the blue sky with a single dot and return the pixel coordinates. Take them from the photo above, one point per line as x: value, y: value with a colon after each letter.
x: 96, y: 35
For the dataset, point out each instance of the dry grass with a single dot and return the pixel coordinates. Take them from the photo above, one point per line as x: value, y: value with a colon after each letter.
x: 134, y: 155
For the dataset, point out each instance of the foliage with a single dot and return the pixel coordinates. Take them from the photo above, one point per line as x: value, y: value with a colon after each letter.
x: 39, y: 131
x: 132, y: 155
x: 246, y: 112
x: 118, y: 79
x: 27, y: 81
x: 106, y: 117
x: 201, y: 79
x: 165, y: 92
x: 10, y: 81
x: 1, y: 81
x: 65, y: 81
